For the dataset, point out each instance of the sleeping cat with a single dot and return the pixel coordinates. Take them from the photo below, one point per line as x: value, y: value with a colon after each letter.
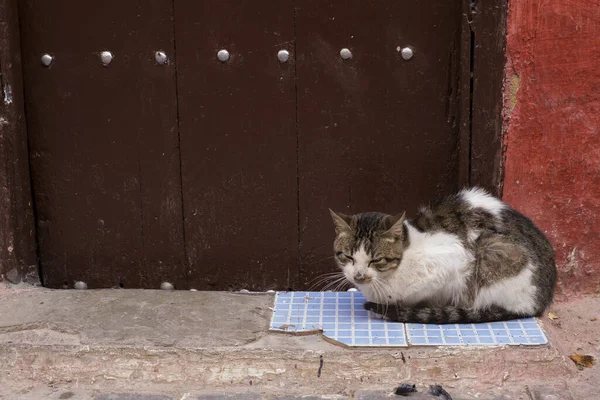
x: 469, y: 258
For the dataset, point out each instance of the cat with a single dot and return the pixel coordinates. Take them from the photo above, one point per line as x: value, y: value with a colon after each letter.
x: 469, y: 258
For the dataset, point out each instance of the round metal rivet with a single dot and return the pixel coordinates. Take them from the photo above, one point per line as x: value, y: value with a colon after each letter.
x: 46, y: 60
x: 167, y: 286
x: 106, y: 57
x: 407, y: 53
x: 223, y: 55
x: 283, y: 56
x: 346, y: 54
x: 80, y: 285
x: 160, y: 57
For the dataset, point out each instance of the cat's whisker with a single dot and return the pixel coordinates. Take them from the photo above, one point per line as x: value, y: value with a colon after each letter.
x: 325, y: 279
x: 334, y: 283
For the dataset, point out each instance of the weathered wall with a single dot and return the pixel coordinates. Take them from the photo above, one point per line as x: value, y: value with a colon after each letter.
x: 17, y: 236
x: 552, y: 109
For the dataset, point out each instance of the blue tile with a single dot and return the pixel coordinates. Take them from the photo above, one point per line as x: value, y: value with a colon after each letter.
x: 436, y: 340
x: 396, y: 341
x: 487, y: 340
x: 470, y: 340
x: 380, y: 341
x: 452, y: 340
x: 312, y: 310
x: 538, y: 339
x: 503, y: 339
x: 417, y: 340
x: 530, y: 325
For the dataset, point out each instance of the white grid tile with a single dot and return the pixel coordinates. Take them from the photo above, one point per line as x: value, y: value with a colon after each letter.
x: 341, y: 317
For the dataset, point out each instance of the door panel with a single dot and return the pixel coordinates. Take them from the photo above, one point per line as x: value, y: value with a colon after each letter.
x: 238, y: 142
x: 376, y: 131
x: 103, y: 142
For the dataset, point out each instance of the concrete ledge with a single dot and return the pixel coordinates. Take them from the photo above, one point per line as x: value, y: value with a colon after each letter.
x: 181, y: 343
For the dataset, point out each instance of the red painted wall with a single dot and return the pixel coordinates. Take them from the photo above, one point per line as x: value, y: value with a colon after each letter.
x: 552, y: 123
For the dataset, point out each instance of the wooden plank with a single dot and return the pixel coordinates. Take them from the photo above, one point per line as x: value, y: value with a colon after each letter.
x: 18, y: 255
x: 376, y: 132
x: 238, y: 142
x: 489, y: 34
x: 103, y: 142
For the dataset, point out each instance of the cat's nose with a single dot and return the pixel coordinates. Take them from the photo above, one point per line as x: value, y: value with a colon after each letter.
x: 359, y: 278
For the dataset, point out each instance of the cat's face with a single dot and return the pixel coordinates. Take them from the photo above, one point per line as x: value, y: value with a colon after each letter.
x: 369, y: 246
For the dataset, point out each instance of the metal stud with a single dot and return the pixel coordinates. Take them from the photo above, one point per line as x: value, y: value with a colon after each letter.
x: 80, y: 285
x: 407, y: 53
x: 160, y: 57
x: 345, y: 53
x: 167, y: 286
x: 223, y: 55
x: 106, y: 57
x: 46, y: 60
x: 283, y: 56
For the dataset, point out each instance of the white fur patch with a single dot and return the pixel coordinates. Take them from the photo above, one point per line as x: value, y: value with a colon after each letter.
x: 515, y: 294
x: 435, y: 267
x: 360, y: 265
x: 479, y: 198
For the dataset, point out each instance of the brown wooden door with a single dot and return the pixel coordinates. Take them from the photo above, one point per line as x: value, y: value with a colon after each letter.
x: 238, y: 142
x: 375, y: 131
x: 103, y: 142
x: 217, y: 174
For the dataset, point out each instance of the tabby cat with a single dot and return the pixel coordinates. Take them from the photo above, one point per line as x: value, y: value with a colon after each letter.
x: 469, y: 258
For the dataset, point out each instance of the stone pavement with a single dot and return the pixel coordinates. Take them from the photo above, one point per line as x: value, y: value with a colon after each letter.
x: 151, y: 345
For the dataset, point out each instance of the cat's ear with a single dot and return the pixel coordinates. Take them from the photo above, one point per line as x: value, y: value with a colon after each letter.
x: 341, y: 222
x: 396, y: 224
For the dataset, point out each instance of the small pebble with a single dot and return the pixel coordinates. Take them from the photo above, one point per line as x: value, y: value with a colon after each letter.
x: 353, y: 290
x: 80, y: 285
x: 167, y: 286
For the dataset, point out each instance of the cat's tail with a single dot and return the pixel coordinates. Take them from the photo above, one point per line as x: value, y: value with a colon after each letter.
x: 442, y: 315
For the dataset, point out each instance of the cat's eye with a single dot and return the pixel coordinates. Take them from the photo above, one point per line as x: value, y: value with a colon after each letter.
x: 378, y: 260
x: 340, y: 254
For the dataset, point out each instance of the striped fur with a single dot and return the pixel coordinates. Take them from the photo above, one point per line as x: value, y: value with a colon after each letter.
x: 467, y: 258
x: 441, y: 315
